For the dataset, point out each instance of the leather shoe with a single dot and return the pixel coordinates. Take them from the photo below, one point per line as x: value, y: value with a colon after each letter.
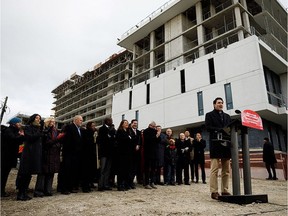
x: 215, y: 195
x: 107, y: 188
x: 65, y: 192
x: 225, y: 194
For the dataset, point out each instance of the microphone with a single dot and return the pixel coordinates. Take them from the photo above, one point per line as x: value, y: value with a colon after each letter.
x: 237, y: 111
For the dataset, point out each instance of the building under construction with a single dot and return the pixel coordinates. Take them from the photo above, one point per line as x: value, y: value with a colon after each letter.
x: 90, y: 94
x: 187, y: 53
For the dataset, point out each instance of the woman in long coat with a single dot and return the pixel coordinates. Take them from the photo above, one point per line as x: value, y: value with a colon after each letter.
x: 125, y: 152
x: 31, y: 158
x: 50, y: 159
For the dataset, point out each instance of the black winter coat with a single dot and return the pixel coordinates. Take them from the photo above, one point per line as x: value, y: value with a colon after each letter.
x: 31, y: 158
x: 214, y: 124
x: 183, y: 154
x: 106, y: 141
x: 268, y: 153
x: 199, y: 147
x: 150, y: 143
x: 10, y: 141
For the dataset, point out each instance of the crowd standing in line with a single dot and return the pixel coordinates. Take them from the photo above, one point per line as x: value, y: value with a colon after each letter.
x: 148, y: 157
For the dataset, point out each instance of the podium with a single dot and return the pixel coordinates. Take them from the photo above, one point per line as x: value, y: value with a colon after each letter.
x: 250, y: 119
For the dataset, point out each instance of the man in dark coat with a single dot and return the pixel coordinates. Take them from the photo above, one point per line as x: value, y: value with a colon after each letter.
x: 10, y: 141
x: 136, y: 154
x: 106, y: 143
x: 215, y: 121
x: 71, y: 153
x: 151, y: 138
x: 269, y: 159
x: 31, y: 158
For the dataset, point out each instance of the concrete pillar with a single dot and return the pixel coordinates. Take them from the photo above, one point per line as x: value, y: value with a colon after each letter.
x: 200, y: 28
x: 238, y: 21
x: 133, y: 64
x: 245, y: 18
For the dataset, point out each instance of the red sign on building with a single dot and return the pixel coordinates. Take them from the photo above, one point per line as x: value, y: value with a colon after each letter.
x: 251, y: 119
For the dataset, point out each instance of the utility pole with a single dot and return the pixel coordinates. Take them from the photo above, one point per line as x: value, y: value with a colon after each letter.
x: 3, y: 109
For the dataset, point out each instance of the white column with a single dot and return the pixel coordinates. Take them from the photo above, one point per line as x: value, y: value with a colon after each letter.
x: 245, y: 18
x: 200, y: 28
x: 152, y: 54
x: 238, y: 20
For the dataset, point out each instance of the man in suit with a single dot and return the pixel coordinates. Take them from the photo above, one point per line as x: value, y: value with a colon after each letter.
x: 71, y: 152
x: 106, y: 143
x: 136, y: 157
x: 151, y: 138
x: 215, y: 121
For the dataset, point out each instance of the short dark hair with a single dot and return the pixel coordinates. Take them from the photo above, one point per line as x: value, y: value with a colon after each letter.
x: 266, y: 139
x: 218, y: 98
x: 133, y: 120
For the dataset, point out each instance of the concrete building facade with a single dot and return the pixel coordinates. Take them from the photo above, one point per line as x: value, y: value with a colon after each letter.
x: 187, y: 53
x: 90, y: 94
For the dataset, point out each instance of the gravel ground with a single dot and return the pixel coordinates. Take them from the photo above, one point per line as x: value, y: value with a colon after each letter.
x: 166, y: 200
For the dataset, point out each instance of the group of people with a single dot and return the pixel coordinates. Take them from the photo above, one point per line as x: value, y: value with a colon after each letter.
x: 121, y: 155
x: 124, y: 153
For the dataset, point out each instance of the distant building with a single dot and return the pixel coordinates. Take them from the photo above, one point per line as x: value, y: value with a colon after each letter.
x: 90, y: 94
x: 187, y: 53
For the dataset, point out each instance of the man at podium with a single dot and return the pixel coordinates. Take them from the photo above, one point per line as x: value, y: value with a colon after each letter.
x: 219, y: 143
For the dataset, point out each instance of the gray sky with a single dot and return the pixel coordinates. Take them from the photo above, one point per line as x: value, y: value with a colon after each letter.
x: 44, y: 41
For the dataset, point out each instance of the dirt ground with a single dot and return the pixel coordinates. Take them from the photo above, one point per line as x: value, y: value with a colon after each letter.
x: 166, y: 200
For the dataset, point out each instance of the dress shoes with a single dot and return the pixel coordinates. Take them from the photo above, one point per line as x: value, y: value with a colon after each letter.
x: 65, y: 192
x: 225, y: 194
x: 153, y: 186
x: 48, y: 194
x: 215, y: 196
x: 4, y: 194
x: 107, y: 188
x: 187, y: 183
x: 147, y: 187
x: 38, y: 194
x: 23, y: 197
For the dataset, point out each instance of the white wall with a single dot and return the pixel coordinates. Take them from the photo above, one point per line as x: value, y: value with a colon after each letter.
x: 238, y: 64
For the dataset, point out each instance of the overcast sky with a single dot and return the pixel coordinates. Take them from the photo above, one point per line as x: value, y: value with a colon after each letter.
x: 43, y: 42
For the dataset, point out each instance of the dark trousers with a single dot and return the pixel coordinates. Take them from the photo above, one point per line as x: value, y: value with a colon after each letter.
x: 5, y: 170
x: 169, y: 173
x: 71, y: 172
x: 23, y: 181
x: 149, y: 172
x: 202, y: 166
x: 192, y: 169
x: 270, y: 166
x: 44, y: 183
x: 180, y: 166
x: 105, y: 166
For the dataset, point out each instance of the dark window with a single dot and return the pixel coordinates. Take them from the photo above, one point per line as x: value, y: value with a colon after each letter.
x: 137, y: 115
x: 123, y: 116
x: 130, y: 100
x: 200, y: 103
x: 148, y: 93
x: 182, y: 78
x: 211, y: 71
x: 228, y: 96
